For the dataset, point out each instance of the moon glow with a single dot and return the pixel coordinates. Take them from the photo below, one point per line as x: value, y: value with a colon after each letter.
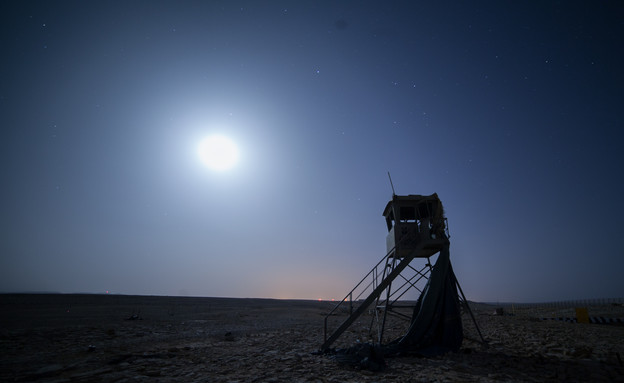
x: 218, y: 152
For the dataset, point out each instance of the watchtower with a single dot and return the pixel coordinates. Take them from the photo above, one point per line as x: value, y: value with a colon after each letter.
x: 416, y: 224
x: 417, y: 230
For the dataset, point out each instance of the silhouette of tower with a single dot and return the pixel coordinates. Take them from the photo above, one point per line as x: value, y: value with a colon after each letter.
x: 417, y: 230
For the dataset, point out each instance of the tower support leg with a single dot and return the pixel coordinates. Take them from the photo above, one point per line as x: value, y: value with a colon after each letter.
x: 470, y: 312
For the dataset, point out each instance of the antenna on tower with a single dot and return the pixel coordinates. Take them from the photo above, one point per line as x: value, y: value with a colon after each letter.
x: 391, y: 185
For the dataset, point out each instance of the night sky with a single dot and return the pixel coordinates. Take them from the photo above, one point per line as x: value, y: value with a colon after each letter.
x: 513, y: 112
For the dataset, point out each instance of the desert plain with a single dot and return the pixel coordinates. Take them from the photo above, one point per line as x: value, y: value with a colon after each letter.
x: 121, y: 338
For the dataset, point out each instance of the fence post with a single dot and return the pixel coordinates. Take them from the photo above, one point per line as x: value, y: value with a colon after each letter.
x: 351, y: 303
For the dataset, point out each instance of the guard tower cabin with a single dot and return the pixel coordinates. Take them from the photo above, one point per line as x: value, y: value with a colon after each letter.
x: 416, y: 226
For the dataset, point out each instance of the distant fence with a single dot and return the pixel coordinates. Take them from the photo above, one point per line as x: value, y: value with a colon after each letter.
x: 568, y: 304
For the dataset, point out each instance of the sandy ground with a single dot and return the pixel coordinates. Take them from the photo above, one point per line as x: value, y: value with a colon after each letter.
x: 64, y: 338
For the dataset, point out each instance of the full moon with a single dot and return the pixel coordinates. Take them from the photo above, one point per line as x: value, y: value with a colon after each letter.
x: 218, y: 152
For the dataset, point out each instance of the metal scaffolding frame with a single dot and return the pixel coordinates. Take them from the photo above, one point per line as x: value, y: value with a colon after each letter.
x: 417, y: 230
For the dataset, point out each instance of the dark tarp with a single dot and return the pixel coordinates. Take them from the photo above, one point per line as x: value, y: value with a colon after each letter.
x: 436, y: 326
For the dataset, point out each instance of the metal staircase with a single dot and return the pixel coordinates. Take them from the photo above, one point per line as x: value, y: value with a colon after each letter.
x: 377, y: 284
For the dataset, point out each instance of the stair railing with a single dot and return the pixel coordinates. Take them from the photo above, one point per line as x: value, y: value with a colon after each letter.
x: 374, y: 274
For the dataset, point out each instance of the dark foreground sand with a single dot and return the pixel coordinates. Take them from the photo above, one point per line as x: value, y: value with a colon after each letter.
x: 64, y: 338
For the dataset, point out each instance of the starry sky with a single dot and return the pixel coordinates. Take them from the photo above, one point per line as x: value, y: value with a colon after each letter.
x: 511, y: 111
